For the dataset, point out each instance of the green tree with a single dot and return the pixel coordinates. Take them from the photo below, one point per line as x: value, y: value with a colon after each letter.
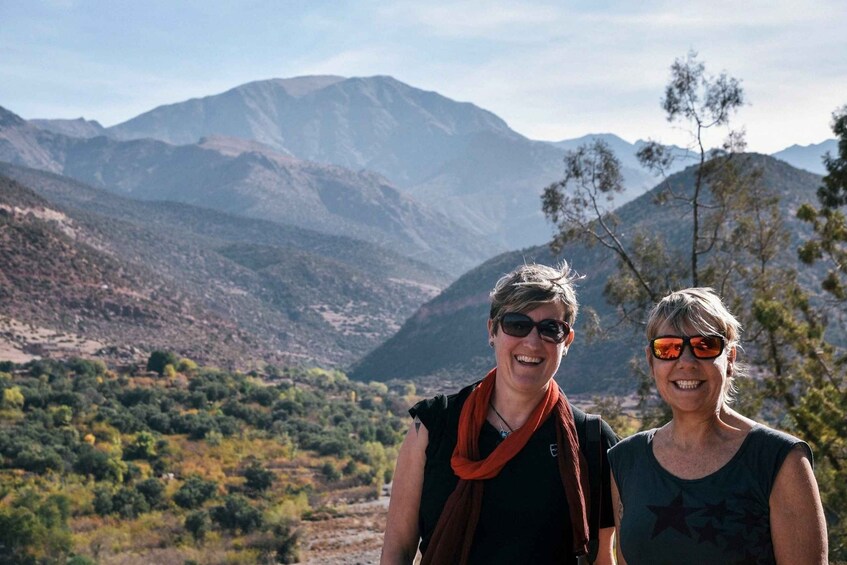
x: 257, y: 479
x: 197, y: 524
x: 236, y: 514
x: 13, y: 398
x: 819, y: 404
x: 580, y: 205
x: 158, y: 360
x: 142, y: 447
x: 194, y: 492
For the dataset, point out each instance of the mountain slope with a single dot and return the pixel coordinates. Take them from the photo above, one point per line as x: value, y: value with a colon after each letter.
x: 808, y: 157
x: 252, y: 181
x: 446, y: 338
x: 377, y: 123
x: 282, y: 293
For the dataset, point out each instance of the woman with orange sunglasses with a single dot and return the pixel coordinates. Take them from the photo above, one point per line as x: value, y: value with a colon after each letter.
x: 710, y: 486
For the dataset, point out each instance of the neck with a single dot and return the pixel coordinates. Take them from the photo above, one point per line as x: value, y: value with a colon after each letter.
x: 516, y: 409
x: 691, y: 430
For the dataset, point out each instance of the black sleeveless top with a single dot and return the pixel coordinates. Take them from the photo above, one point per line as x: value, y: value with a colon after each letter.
x: 524, y: 516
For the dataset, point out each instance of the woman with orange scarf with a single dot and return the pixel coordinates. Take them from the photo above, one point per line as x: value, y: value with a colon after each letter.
x: 494, y: 473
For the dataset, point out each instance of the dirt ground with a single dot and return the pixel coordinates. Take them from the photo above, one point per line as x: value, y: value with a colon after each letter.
x: 352, y: 537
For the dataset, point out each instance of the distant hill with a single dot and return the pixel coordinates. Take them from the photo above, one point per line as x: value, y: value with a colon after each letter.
x: 808, y: 157
x: 253, y: 181
x: 637, y: 180
x: 79, y: 127
x: 446, y: 339
x: 463, y: 161
x: 216, y: 287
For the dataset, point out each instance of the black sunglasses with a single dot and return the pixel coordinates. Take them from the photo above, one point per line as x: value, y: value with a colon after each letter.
x: 516, y: 324
x: 670, y: 347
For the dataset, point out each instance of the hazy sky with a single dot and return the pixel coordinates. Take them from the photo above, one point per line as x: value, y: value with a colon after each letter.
x: 553, y: 70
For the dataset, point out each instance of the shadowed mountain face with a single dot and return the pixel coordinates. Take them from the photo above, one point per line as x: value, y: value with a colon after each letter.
x: 252, y: 180
x: 446, y: 339
x: 215, y: 287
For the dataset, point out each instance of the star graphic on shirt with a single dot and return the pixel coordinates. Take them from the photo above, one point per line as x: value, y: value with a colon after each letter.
x: 674, y: 515
x: 717, y: 511
x: 752, y: 520
x: 708, y: 533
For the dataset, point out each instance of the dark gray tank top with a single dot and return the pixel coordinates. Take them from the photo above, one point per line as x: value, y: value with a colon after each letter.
x: 721, y: 518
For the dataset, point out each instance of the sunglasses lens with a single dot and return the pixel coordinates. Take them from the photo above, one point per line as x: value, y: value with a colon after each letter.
x: 551, y: 330
x: 667, y: 347
x: 706, y: 347
x: 517, y: 325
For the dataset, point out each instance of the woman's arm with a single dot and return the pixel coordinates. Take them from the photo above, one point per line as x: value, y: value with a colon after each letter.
x: 606, y: 553
x: 618, y: 510
x: 798, y: 527
x: 401, y: 530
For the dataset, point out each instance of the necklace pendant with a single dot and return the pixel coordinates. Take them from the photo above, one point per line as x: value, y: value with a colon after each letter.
x: 504, y: 434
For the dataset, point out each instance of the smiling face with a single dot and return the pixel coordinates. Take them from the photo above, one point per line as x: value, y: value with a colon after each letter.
x: 526, y: 365
x: 689, y: 384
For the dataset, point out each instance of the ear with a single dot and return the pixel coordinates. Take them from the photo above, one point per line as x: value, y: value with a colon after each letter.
x: 490, y: 329
x: 567, y: 343
x: 649, y: 357
x: 730, y: 361
x: 569, y: 339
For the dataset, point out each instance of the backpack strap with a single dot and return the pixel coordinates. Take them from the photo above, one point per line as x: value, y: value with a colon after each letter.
x: 594, y: 455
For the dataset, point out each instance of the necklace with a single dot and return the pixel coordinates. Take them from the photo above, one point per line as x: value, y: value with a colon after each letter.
x: 503, y: 433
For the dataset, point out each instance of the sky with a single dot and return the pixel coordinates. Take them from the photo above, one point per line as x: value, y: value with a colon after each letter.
x: 552, y: 70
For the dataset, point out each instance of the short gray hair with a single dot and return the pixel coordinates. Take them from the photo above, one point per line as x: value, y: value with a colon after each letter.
x: 533, y: 285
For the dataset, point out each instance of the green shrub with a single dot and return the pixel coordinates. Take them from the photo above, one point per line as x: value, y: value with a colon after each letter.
x: 194, y: 492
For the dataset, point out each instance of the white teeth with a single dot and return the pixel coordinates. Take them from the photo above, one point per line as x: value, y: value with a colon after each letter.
x: 527, y: 359
x: 687, y: 385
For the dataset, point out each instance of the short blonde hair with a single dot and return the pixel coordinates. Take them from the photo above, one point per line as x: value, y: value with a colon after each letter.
x: 700, y: 309
x: 533, y: 285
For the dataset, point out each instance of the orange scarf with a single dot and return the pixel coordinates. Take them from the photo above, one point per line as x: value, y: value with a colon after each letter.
x: 453, y: 535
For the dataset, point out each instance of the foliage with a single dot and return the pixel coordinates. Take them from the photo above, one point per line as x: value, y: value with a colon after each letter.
x: 158, y: 360
x: 194, y: 492
x: 817, y: 399
x: 133, y: 451
x: 236, y: 514
x: 197, y: 523
x: 257, y: 479
x: 34, y: 529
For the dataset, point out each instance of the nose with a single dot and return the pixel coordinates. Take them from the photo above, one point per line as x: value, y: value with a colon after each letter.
x: 687, y: 352
x: 535, y: 335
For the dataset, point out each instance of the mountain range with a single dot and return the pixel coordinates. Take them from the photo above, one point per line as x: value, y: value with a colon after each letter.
x: 301, y: 218
x: 459, y: 159
x: 242, y: 177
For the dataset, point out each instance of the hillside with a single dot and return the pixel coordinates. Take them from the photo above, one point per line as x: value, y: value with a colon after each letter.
x: 218, y: 288
x: 204, y: 466
x: 253, y: 183
x: 446, y: 338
